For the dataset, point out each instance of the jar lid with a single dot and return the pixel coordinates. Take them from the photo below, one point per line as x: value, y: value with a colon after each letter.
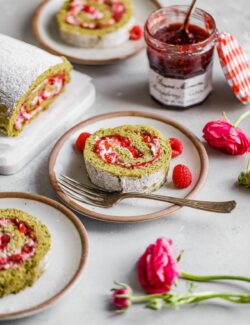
x: 235, y: 66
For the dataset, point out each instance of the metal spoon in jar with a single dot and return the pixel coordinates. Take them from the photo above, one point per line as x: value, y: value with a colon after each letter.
x: 186, y: 21
x: 184, y: 32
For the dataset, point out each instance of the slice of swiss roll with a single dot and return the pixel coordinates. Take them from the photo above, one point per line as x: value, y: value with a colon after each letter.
x: 25, y: 244
x: 30, y: 80
x: 129, y: 158
x: 96, y: 23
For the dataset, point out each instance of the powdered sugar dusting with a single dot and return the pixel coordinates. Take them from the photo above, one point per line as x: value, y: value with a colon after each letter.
x: 20, y: 65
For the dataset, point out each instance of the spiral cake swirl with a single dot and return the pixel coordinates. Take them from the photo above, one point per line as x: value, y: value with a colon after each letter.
x: 130, y: 158
x: 95, y: 23
x: 24, y: 242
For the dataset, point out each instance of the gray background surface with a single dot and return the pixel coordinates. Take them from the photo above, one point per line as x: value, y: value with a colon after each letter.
x: 212, y: 243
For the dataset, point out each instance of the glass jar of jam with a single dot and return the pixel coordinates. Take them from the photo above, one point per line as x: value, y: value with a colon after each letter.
x: 180, y: 61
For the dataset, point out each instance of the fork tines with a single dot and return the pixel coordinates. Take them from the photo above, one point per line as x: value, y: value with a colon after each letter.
x: 82, y: 192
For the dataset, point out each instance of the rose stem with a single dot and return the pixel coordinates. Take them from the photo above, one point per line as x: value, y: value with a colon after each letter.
x: 241, y: 117
x: 248, y: 166
x: 200, y: 278
x: 190, y: 298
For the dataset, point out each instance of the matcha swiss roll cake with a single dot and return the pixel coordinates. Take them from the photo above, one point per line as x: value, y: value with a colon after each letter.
x: 130, y: 158
x: 24, y: 243
x: 96, y: 23
x: 30, y: 80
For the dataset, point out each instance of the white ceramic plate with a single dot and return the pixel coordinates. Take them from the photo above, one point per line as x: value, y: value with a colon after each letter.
x: 46, y: 32
x: 63, y: 269
x: 67, y: 160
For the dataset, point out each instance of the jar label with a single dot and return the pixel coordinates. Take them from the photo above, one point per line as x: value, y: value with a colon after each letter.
x: 180, y: 92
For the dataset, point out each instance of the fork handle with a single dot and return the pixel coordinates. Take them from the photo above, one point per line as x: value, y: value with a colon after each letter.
x: 220, y: 207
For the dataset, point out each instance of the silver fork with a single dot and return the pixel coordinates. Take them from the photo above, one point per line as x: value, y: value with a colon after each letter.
x: 98, y: 197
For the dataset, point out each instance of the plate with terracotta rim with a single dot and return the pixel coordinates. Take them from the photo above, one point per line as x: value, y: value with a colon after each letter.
x: 46, y: 32
x: 66, y: 159
x: 62, y: 270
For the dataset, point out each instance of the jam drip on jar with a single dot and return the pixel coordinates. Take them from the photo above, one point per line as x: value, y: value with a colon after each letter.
x: 8, y: 258
x: 106, y: 148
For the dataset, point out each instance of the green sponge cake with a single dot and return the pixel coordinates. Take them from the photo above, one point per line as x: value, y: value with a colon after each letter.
x: 24, y: 242
x: 30, y: 80
x: 96, y: 23
x: 130, y: 158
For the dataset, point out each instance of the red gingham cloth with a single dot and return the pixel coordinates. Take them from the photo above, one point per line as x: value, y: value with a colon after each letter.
x: 235, y: 65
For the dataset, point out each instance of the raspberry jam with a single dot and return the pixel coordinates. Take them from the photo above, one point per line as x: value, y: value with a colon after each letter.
x: 180, y: 61
x: 174, y: 34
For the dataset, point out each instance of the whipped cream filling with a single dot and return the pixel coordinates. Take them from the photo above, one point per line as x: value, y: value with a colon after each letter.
x: 48, y: 89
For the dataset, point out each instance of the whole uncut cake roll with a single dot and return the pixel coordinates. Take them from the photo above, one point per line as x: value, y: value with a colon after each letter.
x: 24, y: 243
x: 96, y: 23
x: 30, y: 80
x: 130, y: 158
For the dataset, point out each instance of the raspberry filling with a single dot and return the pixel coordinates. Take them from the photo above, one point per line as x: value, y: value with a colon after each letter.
x: 95, y: 14
x: 13, y: 257
x: 48, y: 89
x: 107, y: 148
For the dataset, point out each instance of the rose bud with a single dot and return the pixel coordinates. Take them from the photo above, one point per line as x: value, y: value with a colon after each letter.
x: 158, y: 267
x: 122, y: 302
x: 244, y: 178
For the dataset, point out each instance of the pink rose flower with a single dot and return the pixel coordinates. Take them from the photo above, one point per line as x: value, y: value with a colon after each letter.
x: 158, y: 267
x: 121, y: 303
x: 226, y: 137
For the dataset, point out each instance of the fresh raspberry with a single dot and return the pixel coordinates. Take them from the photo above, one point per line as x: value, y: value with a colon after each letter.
x: 43, y: 95
x: 146, y: 137
x: 182, y: 176
x: 15, y: 258
x: 107, y: 145
x: 176, y: 146
x: 30, y: 233
x: 81, y: 140
x: 135, y: 152
x: 125, y: 142
x: 135, y: 33
x: 51, y: 81
x: 27, y: 249
x: 3, y: 260
x: 89, y: 9
x: 4, y: 239
x: 118, y: 9
x: 110, y: 157
x: 22, y: 228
